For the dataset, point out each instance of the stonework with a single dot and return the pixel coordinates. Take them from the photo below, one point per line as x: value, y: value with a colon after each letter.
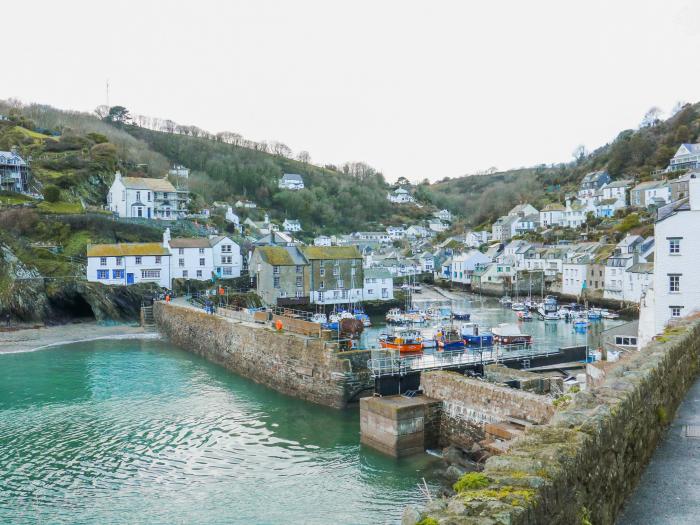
x: 579, y: 468
x: 304, y: 367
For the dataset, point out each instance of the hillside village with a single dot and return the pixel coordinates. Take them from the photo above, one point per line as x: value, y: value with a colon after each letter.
x: 596, y: 244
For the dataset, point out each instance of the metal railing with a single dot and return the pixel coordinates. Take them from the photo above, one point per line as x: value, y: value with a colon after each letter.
x: 393, y: 366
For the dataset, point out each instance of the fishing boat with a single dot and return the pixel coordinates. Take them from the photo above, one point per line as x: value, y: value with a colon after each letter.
x: 548, y: 310
x: 524, y: 316
x: 394, y: 316
x: 360, y: 315
x: 594, y: 314
x: 461, y: 315
x: 437, y: 314
x: 414, y: 317
x: 510, y: 334
x: 505, y: 301
x: 449, y: 339
x: 518, y: 307
x: 474, y: 336
x: 607, y: 314
x: 405, y: 341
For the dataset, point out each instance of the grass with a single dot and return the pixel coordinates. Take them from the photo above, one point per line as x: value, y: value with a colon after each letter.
x: 60, y: 207
x: 15, y: 198
x: 33, y: 134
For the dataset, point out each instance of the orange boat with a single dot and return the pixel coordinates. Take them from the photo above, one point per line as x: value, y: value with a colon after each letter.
x: 406, y: 342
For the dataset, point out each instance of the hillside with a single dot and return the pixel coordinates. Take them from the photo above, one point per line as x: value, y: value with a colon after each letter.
x: 633, y: 154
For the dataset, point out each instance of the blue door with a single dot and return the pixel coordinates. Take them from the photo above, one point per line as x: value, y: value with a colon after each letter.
x: 149, y: 212
x: 129, y: 278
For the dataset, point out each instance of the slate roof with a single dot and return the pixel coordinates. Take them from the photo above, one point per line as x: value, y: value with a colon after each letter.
x: 292, y: 177
x: 6, y: 156
x: 121, y: 250
x: 193, y: 242
x: 146, y: 183
x: 331, y: 252
x: 671, y: 209
x: 554, y: 206
x: 376, y: 273
x: 281, y: 255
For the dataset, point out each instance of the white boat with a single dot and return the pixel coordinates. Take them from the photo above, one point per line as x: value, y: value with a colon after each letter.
x: 607, y: 314
x: 518, y: 307
x: 510, y: 334
x: 505, y: 300
x: 319, y: 318
x: 551, y: 316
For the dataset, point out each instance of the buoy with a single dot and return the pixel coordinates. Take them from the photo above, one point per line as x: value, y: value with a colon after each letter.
x: 278, y: 324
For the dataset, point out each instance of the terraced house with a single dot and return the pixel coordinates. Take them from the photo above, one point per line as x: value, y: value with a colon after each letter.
x: 129, y: 263
x: 335, y: 274
x: 281, y: 275
x: 147, y: 198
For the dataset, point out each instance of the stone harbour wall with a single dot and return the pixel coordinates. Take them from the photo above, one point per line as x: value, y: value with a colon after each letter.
x: 470, y: 404
x: 303, y: 367
x: 581, y: 466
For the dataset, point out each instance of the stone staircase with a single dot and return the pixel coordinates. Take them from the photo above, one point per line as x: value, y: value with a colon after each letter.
x: 148, y: 322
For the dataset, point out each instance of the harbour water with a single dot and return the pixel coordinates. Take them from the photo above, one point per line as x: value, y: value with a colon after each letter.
x: 140, y: 432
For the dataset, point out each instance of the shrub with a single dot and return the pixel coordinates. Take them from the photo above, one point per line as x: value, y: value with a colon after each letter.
x: 52, y: 193
x: 471, y: 481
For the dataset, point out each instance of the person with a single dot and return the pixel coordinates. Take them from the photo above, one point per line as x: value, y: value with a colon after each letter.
x: 8, y: 319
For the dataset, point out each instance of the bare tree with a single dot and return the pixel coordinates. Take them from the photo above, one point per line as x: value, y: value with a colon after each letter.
x: 651, y: 117
x: 304, y: 156
x: 102, y: 111
x: 579, y: 153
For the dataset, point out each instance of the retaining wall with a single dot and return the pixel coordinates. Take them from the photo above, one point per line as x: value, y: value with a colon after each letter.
x: 303, y: 367
x: 580, y: 468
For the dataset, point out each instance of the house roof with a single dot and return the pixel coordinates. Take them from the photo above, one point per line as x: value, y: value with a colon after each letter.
x: 292, y: 221
x: 670, y: 209
x: 606, y: 202
x: 641, y: 268
x: 146, y: 183
x: 192, y: 242
x: 593, y: 176
x: 376, y: 273
x: 281, y: 255
x: 619, y: 184
x: 124, y: 249
x: 292, y: 177
x: 554, y: 206
x: 331, y: 252
x: 5, y: 156
x: 692, y: 148
x: 650, y: 185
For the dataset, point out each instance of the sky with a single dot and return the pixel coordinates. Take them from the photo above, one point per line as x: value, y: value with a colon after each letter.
x: 420, y: 89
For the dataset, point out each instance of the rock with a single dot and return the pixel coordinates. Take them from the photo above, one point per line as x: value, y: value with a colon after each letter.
x: 437, y: 505
x: 456, y: 507
x: 454, y: 472
x: 410, y: 516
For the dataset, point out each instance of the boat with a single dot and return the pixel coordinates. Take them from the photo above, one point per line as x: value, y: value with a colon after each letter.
x: 394, y: 316
x: 510, y: 334
x: 548, y: 310
x: 461, y: 315
x: 474, y: 336
x: 319, y: 318
x: 449, y: 339
x: 360, y: 315
x: 594, y: 314
x: 551, y: 316
x: 524, y: 316
x: 405, y: 341
x: 414, y: 316
x: 607, y: 314
x: 437, y: 314
x: 581, y: 323
x: 505, y: 301
x: 518, y: 307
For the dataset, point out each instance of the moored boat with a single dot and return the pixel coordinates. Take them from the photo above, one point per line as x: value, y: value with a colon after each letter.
x: 594, y: 314
x: 505, y: 301
x: 319, y: 318
x: 449, y: 339
x: 607, y: 314
x: 405, y: 341
x: 475, y: 337
x: 461, y: 315
x: 510, y: 334
x: 518, y: 307
x: 524, y: 316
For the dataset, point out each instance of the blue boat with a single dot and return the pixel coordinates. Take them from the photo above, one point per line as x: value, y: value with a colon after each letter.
x: 449, y: 339
x: 461, y: 316
x: 474, y: 337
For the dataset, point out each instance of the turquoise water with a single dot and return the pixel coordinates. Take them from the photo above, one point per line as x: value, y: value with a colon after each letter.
x: 140, y: 432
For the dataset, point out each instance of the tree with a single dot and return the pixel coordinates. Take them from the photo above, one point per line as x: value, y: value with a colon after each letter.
x: 304, y: 156
x: 579, y: 153
x: 403, y: 181
x: 118, y: 115
x: 651, y: 117
x: 102, y: 111
x: 52, y: 193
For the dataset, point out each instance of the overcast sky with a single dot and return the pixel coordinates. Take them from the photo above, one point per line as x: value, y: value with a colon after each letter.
x: 419, y: 89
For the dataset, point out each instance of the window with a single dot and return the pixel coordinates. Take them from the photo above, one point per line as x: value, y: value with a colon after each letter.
x: 184, y: 273
x: 300, y: 269
x: 103, y: 274
x: 138, y: 195
x: 354, y: 262
x: 300, y: 281
x: 103, y: 261
x: 199, y: 273
x: 299, y: 294
x: 321, y: 285
x: 137, y: 259
x: 336, y: 270
x: 228, y: 270
x: 276, y: 270
x: 181, y: 251
x: 201, y: 261
x: 341, y: 283
x: 370, y: 292
x: 225, y: 248
x: 336, y: 294
x: 674, y: 283
x: 201, y: 251
x: 139, y: 212
x: 674, y: 246
x: 322, y: 272
x: 181, y: 262
x: 385, y: 293
x: 158, y: 259
x: 117, y: 274
x: 123, y: 195
x: 345, y: 294
x: 352, y: 271
x: 226, y: 259
x: 676, y: 311
x: 276, y: 282
x: 150, y: 274
x: 119, y: 261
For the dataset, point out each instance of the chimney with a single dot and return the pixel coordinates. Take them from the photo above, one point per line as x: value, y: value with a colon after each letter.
x: 166, y: 237
x: 118, y: 176
x: 694, y: 192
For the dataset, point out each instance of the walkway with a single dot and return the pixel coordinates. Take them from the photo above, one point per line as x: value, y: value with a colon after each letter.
x: 669, y: 491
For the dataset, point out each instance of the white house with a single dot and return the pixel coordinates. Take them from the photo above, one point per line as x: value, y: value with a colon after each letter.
x: 396, y: 232
x: 400, y: 196
x: 323, y: 240
x: 676, y: 276
x: 143, y: 197
x: 437, y: 225
x: 291, y: 181
x: 245, y: 204
x: 576, y: 212
x: 574, y: 275
x: 178, y: 170
x: 226, y: 255
x: 638, y: 278
x: 552, y: 215
x: 291, y: 225
x: 475, y: 239
x: 417, y: 232
x: 14, y: 172
x: 443, y: 215
x: 129, y: 263
x: 382, y: 237
x: 521, y: 210
x: 379, y: 285
x: 625, y: 255
x: 504, y: 227
x: 527, y: 223
x: 202, y: 258
x: 618, y: 190
x: 463, y: 265
x: 232, y: 217
x: 656, y: 192
x: 427, y: 262
x: 687, y: 157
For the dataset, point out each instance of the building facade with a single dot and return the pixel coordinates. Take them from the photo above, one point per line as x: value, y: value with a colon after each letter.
x: 129, y: 263
x: 379, y: 285
x: 147, y: 198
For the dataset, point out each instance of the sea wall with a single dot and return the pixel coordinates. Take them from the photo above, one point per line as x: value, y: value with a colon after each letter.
x: 304, y: 367
x: 469, y: 405
x: 580, y: 468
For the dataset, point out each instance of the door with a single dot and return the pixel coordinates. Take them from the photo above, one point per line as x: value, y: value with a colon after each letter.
x: 129, y: 278
x: 149, y: 212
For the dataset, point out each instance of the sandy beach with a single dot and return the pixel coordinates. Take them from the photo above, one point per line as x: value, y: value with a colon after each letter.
x: 28, y: 339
